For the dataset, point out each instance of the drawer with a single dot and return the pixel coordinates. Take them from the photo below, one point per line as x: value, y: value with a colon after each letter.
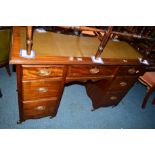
x: 39, y: 71
x: 122, y: 83
x: 78, y: 71
x: 36, y: 89
x: 107, y: 99
x: 115, y: 95
x: 113, y: 98
x: 39, y: 108
x: 130, y: 70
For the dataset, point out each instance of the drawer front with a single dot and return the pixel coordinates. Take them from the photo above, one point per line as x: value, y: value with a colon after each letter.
x: 113, y: 98
x: 78, y: 71
x: 122, y: 83
x: 42, y: 72
x: 39, y: 108
x: 132, y: 70
x: 37, y: 89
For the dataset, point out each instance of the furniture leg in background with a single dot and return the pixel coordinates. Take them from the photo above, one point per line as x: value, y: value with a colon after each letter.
x: 14, y: 68
x: 148, y: 79
x: 153, y: 102
x: 0, y: 93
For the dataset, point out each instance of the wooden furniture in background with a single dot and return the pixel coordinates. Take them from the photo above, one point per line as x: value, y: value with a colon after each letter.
x: 146, y: 44
x: 29, y: 39
x: 62, y: 59
x: 5, y: 40
x: 148, y: 79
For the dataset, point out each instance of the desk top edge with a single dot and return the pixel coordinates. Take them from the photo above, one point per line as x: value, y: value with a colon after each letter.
x: 16, y: 59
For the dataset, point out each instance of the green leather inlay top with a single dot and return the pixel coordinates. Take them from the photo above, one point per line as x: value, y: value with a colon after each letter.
x: 54, y: 44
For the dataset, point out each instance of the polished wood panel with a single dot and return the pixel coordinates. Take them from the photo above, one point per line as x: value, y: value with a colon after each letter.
x: 109, y: 99
x: 131, y: 70
x: 88, y: 70
x: 35, y: 89
x: 41, y: 72
x: 19, y: 90
x: 39, y: 108
x: 122, y: 83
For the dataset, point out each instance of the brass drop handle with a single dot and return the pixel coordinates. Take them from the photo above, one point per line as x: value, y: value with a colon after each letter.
x: 94, y: 70
x: 42, y: 90
x: 123, y: 84
x: 113, y: 97
x: 132, y: 70
x: 44, y: 72
x: 40, y: 108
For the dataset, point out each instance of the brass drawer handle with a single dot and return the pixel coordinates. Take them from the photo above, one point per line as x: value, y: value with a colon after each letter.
x: 44, y: 72
x: 113, y: 97
x: 40, y: 108
x: 42, y: 90
x: 123, y: 84
x: 132, y: 70
x: 94, y: 70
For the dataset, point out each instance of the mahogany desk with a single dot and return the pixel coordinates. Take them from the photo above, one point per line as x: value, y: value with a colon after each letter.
x: 61, y: 59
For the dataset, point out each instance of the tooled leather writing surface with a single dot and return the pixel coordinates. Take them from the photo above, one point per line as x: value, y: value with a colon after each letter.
x: 54, y: 44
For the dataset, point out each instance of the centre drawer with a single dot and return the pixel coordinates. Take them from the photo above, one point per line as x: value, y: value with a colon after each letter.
x: 89, y: 70
x: 36, y: 89
x: 42, y: 71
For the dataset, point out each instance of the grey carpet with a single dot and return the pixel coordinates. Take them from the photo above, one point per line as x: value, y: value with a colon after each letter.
x: 75, y: 110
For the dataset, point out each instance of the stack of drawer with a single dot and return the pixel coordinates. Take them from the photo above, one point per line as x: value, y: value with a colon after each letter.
x: 110, y: 92
x: 124, y: 80
x: 41, y: 87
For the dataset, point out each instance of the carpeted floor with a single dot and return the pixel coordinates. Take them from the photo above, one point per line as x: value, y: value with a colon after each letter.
x: 75, y: 110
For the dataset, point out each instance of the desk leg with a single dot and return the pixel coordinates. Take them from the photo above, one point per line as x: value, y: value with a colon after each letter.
x: 19, y: 90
